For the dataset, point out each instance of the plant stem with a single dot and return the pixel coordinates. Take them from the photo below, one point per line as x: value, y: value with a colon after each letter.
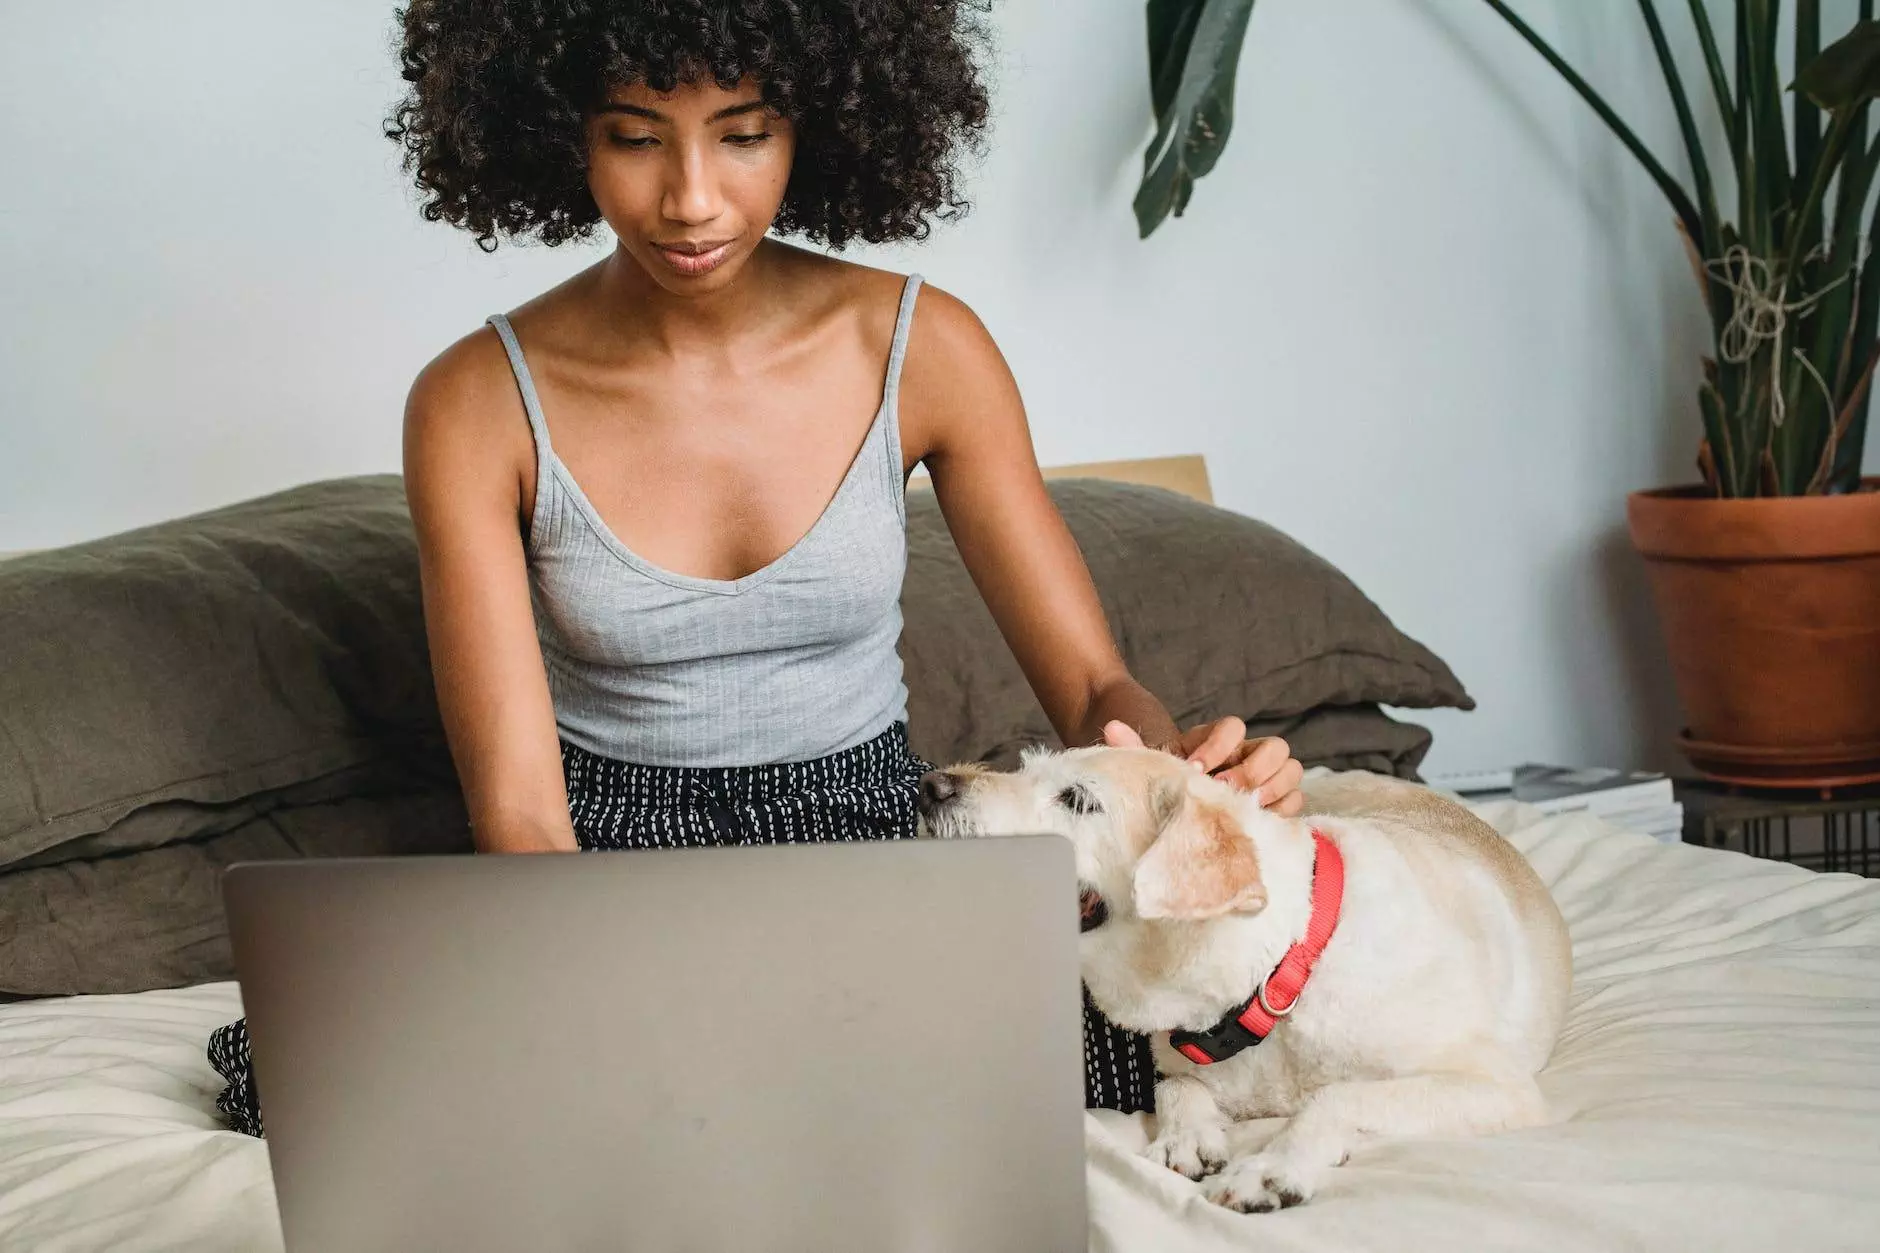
x: 1713, y: 62
x: 1740, y: 143
x: 1687, y: 126
x: 1807, y: 116
x: 1762, y: 102
x: 1839, y: 131
x: 1680, y: 201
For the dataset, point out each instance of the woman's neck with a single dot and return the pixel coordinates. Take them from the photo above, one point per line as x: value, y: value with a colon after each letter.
x: 752, y: 306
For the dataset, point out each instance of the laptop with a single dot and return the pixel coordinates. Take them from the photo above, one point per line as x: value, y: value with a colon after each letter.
x: 845, y: 1046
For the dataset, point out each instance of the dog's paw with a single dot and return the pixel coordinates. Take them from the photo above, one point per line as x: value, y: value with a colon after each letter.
x: 1261, y: 1184
x: 1192, y: 1151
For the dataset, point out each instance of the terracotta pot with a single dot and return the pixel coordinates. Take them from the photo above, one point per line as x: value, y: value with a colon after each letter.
x: 1771, y: 612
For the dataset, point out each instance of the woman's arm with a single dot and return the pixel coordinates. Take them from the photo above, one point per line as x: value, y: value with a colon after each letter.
x: 467, y: 456
x: 962, y: 416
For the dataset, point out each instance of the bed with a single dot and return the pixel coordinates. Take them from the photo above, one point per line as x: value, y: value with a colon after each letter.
x: 1718, y: 1085
x: 1718, y: 1081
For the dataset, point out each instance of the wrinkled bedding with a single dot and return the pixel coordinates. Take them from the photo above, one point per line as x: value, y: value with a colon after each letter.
x: 1717, y: 1087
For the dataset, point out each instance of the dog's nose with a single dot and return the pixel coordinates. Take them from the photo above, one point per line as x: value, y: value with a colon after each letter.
x: 937, y: 787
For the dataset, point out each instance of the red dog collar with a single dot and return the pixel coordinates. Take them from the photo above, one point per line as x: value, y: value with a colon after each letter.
x: 1245, y: 1027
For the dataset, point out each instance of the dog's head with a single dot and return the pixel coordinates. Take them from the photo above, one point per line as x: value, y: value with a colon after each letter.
x: 1156, y: 841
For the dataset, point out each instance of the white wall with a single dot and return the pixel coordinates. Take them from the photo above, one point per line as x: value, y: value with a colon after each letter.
x: 1425, y: 316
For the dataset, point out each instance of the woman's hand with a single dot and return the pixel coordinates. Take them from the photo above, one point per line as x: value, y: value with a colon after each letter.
x: 1262, y: 766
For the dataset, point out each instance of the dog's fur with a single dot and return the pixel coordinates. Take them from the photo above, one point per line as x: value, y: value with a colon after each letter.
x: 1429, y: 1013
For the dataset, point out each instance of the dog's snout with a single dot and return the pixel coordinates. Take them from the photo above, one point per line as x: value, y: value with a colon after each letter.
x: 937, y: 787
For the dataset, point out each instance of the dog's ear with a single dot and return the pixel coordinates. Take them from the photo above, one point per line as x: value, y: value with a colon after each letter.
x: 1202, y: 865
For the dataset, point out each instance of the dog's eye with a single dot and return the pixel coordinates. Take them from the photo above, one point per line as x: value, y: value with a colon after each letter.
x: 1078, y: 799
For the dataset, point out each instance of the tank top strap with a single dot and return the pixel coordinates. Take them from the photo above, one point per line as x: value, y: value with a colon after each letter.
x: 525, y: 383
x: 890, y: 421
x: 897, y: 353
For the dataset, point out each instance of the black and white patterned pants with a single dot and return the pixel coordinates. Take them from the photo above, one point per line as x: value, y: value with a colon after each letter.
x: 862, y: 793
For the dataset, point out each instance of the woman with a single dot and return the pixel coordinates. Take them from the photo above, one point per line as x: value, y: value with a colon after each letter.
x: 659, y: 508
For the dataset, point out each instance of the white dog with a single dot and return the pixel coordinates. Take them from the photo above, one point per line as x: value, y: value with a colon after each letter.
x: 1385, y: 965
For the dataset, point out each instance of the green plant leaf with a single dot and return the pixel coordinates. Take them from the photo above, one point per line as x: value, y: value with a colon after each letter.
x: 1839, y: 428
x: 1194, y: 104
x: 1860, y: 123
x: 1847, y: 72
x: 1845, y: 475
x: 1717, y: 435
x: 1730, y: 379
x: 1851, y: 203
x: 1807, y: 118
x: 1713, y: 64
x: 1732, y: 120
x: 1769, y: 138
x: 1840, y: 132
x: 1171, y: 31
x: 1836, y: 278
x: 1741, y: 146
x: 1687, y: 127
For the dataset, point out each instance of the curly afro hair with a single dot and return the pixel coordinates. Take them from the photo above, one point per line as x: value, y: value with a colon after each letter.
x: 884, y: 95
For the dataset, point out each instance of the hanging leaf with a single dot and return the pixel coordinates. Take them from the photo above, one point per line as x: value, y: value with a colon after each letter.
x: 1171, y: 31
x: 1194, y: 49
x: 1847, y: 72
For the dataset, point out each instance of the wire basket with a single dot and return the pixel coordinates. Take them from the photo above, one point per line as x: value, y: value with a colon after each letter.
x: 1839, y: 831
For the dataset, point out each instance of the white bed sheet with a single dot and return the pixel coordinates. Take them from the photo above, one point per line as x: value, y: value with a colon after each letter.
x: 1718, y: 1085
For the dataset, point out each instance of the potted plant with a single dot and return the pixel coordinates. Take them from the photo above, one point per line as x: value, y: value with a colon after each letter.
x: 1767, y: 572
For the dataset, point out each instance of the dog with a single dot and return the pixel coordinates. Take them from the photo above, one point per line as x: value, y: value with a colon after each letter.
x: 1385, y: 965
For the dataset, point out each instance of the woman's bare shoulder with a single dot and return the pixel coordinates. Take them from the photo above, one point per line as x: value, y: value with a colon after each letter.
x: 468, y: 391
x: 953, y: 363
x: 956, y: 385
x: 949, y: 334
x: 467, y: 445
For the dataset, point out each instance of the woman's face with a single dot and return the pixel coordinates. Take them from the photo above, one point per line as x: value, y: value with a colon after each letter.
x: 691, y: 181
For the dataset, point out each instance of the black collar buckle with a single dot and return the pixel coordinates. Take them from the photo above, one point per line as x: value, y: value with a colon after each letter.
x: 1223, y: 1040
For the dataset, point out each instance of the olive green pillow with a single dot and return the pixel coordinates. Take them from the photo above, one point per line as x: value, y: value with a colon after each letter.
x: 253, y: 682
x: 1215, y: 614
x: 153, y: 918
x: 175, y: 680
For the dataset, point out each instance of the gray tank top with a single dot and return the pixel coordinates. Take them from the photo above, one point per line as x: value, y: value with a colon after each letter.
x: 791, y: 662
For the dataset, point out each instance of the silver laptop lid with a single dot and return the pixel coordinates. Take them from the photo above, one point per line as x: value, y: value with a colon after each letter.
x: 837, y: 1046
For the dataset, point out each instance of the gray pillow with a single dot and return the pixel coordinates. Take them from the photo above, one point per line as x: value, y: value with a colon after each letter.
x: 1351, y: 738
x: 179, y: 679
x: 1356, y: 737
x: 153, y: 918
x: 1215, y: 614
x: 253, y: 683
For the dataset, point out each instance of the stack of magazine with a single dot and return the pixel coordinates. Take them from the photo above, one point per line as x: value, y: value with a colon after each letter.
x: 1629, y: 799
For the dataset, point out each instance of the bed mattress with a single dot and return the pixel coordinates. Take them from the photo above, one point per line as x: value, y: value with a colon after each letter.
x: 1717, y: 1087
